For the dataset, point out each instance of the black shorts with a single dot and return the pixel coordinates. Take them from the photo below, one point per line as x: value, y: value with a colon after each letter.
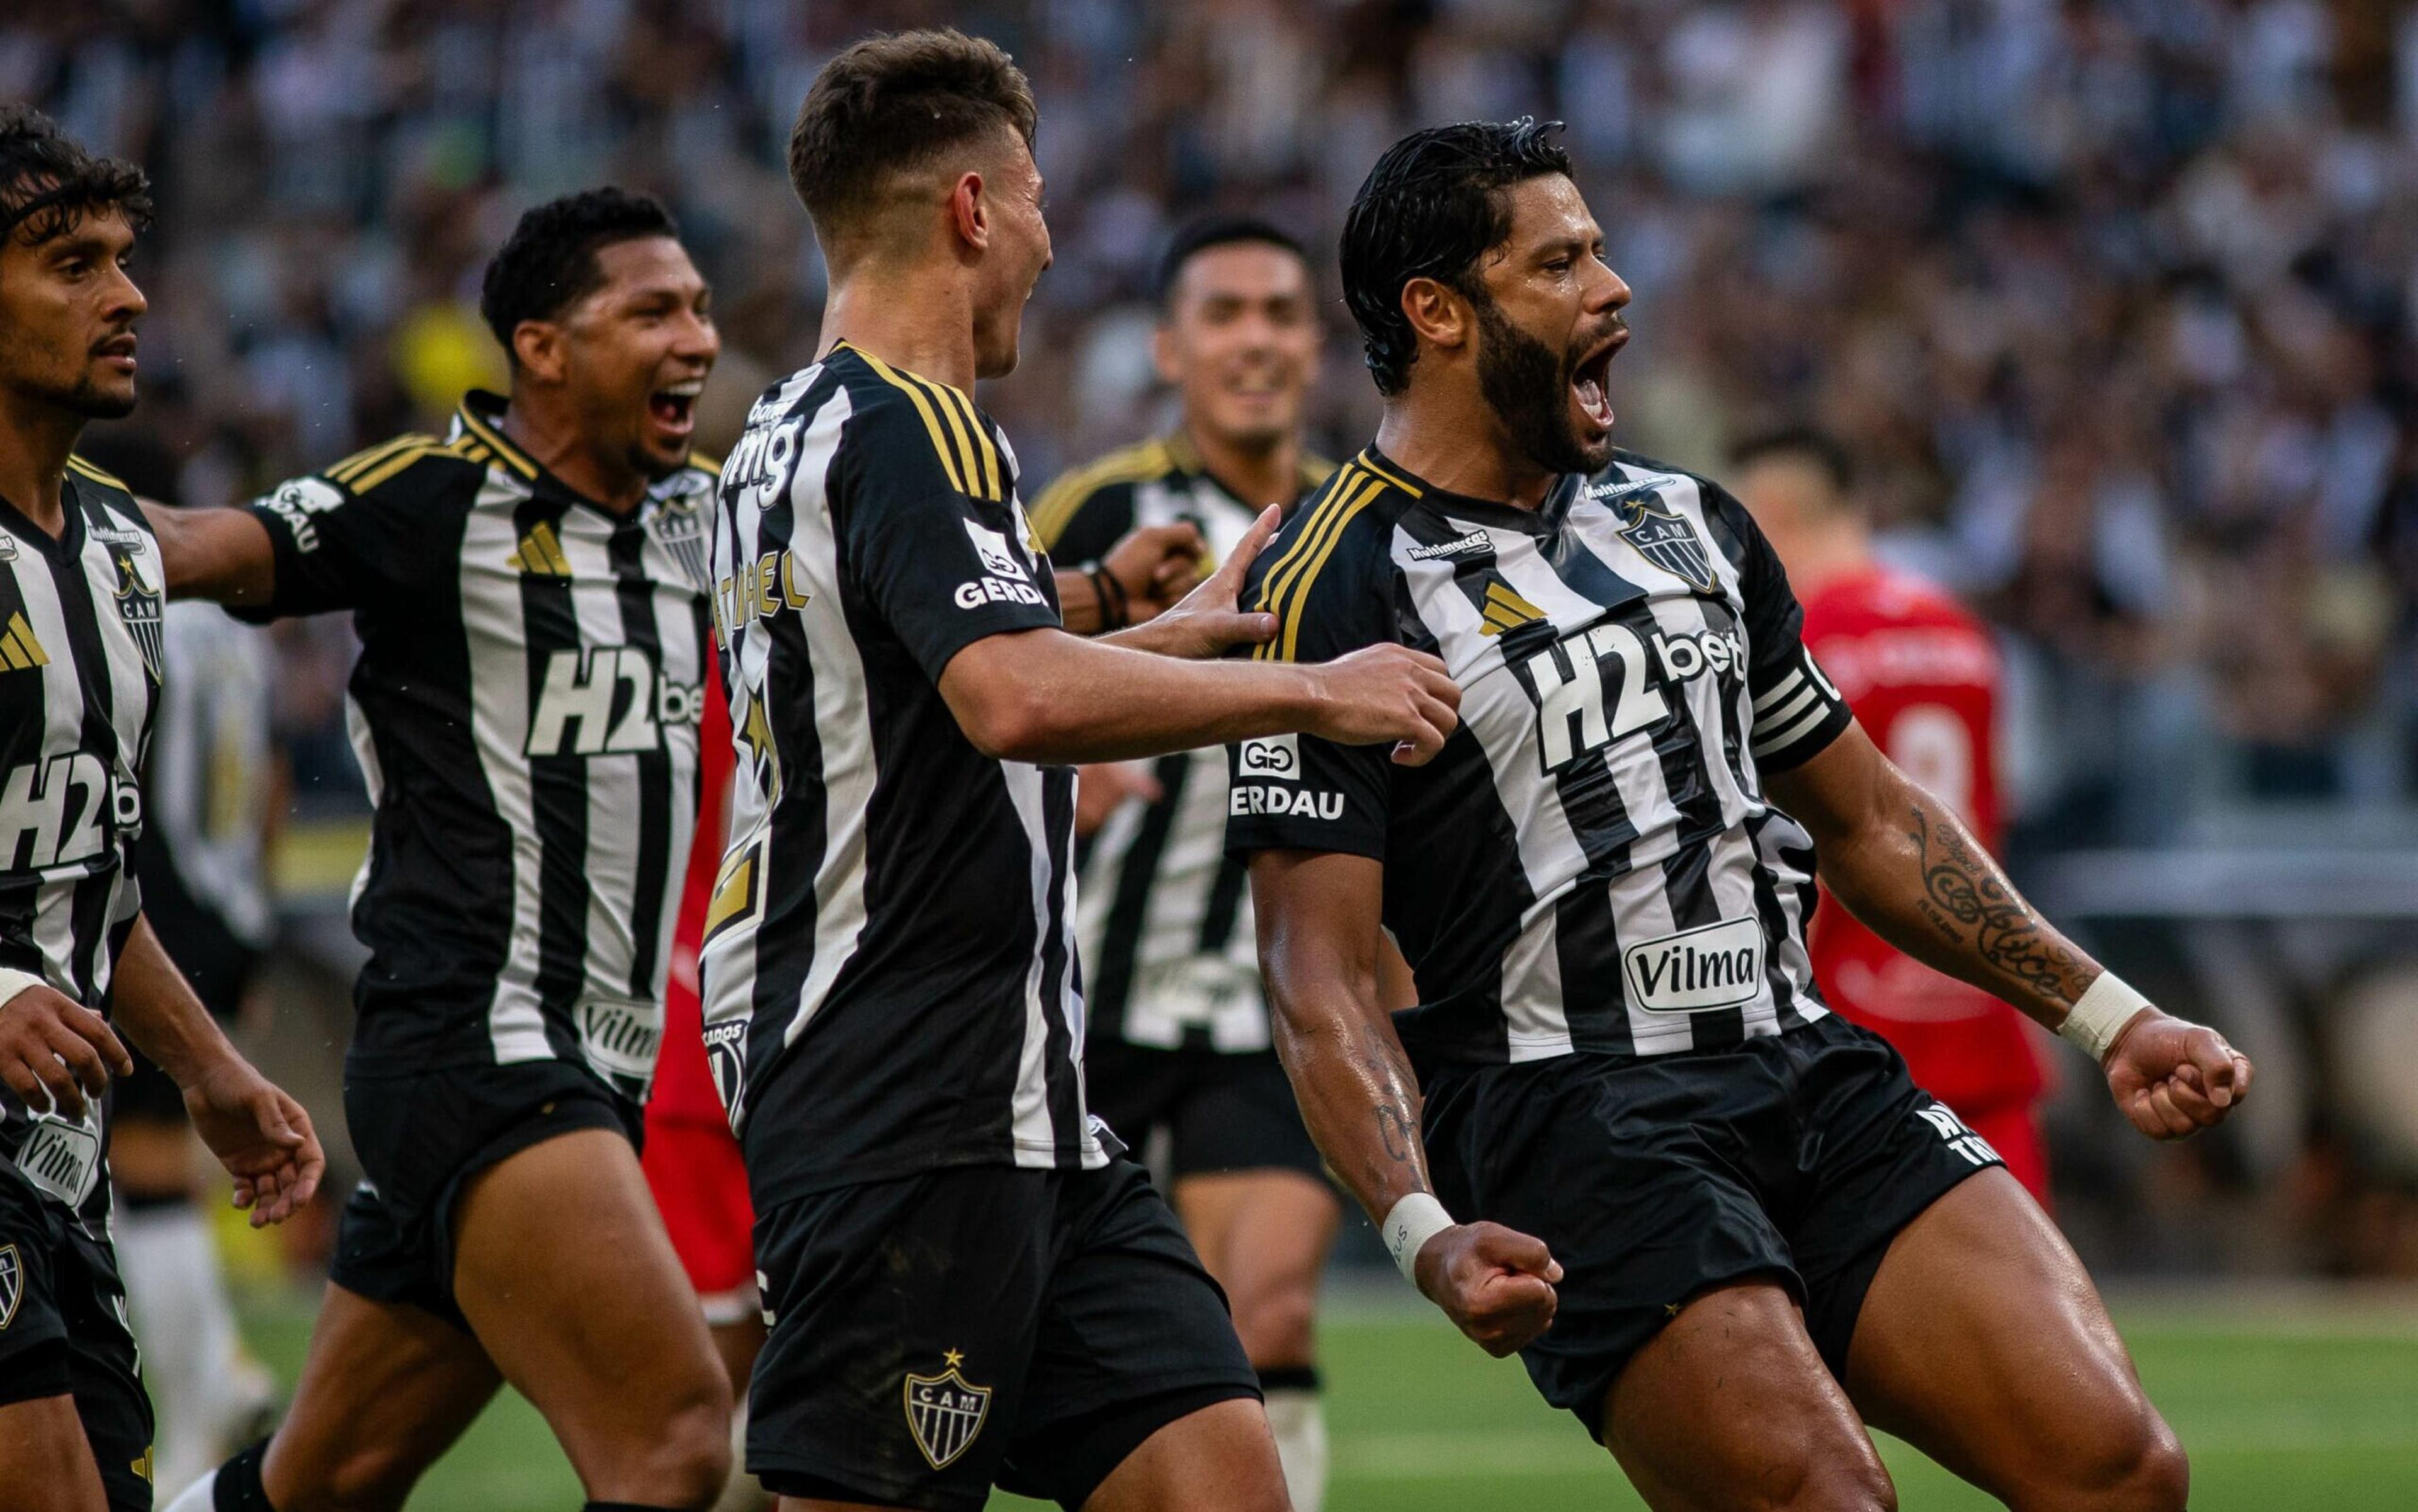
x: 1222, y: 1112
x: 936, y: 1334
x: 63, y: 1333
x: 1795, y: 1156
x: 421, y: 1136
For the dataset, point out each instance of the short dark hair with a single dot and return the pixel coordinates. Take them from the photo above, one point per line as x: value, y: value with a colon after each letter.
x: 1203, y: 232
x: 548, y: 264
x: 1810, y: 443
x: 893, y: 103
x: 1432, y: 206
x: 48, y: 183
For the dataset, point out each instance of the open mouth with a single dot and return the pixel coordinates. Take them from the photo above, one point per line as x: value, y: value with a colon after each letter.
x: 674, y: 406
x: 118, y: 351
x: 1588, y: 381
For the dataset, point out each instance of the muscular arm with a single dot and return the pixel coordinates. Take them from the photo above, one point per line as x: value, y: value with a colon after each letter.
x: 1905, y: 864
x: 259, y: 1134
x: 1318, y: 916
x: 221, y: 555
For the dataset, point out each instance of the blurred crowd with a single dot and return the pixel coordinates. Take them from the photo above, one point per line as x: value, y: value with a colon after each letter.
x: 2113, y: 300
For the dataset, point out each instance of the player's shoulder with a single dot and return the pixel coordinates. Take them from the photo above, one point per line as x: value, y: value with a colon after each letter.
x: 1105, y: 482
x: 1337, y: 542
x: 901, y: 420
x: 415, y: 468
x: 105, y: 492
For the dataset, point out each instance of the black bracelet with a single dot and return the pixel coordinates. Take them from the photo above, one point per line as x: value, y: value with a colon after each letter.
x: 1116, y: 611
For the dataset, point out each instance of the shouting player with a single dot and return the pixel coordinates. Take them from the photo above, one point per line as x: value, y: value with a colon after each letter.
x: 1747, y: 1231
x: 530, y: 599
x: 1922, y: 675
x: 967, y: 1280
x: 1179, y: 1028
x: 80, y: 660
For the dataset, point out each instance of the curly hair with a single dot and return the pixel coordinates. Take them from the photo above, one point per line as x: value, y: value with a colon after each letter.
x: 1432, y: 206
x: 548, y: 264
x: 49, y: 184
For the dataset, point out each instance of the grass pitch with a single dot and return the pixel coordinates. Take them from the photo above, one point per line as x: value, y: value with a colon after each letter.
x: 2284, y: 1409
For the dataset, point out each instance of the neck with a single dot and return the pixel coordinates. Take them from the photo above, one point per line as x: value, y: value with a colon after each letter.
x: 912, y: 315
x: 35, y: 439
x: 1454, y: 442
x: 1825, y: 556
x: 1259, y: 475
x: 542, y: 426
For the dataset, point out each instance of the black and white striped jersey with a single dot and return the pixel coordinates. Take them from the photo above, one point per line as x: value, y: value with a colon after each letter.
x: 80, y: 667
x: 526, y: 711
x: 890, y: 983
x: 1590, y: 863
x: 1164, y: 919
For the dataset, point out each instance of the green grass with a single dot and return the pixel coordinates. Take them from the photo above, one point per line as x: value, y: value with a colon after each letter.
x: 2283, y: 1411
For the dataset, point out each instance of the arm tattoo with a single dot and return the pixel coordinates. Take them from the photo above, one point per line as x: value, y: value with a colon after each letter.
x: 1396, y: 1130
x: 1967, y: 899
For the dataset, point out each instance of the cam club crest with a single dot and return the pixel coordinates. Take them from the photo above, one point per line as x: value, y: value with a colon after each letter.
x: 679, y: 524
x: 138, y: 609
x: 945, y: 1411
x: 1665, y: 538
x: 12, y: 1283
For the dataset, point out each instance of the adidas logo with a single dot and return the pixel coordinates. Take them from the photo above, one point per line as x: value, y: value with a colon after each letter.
x: 1506, y: 610
x: 541, y: 553
x: 19, y: 649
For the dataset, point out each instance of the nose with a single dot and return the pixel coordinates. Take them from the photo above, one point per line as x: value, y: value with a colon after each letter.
x: 697, y: 338
x: 1613, y: 294
x: 127, y: 302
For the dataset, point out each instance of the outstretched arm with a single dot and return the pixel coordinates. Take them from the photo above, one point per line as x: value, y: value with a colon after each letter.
x: 221, y: 555
x: 1319, y: 942
x: 260, y: 1134
x: 1905, y: 864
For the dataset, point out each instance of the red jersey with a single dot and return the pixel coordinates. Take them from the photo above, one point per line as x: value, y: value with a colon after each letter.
x: 683, y: 1087
x: 1922, y: 675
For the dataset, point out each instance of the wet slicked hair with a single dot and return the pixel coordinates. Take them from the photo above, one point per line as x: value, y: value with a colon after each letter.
x: 891, y: 105
x: 1436, y: 202
x: 48, y: 184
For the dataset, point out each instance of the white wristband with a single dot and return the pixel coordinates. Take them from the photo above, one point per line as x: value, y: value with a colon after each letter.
x: 1414, y: 1221
x: 2105, y: 1007
x: 13, y: 983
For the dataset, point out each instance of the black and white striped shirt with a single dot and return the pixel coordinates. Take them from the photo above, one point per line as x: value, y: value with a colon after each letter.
x: 1590, y: 864
x: 1170, y: 959
x: 890, y: 983
x: 80, y: 667
x: 526, y: 711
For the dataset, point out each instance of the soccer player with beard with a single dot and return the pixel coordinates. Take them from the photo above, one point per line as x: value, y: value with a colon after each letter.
x: 81, y: 662
x: 530, y: 597
x: 1721, y: 1224
x: 1179, y: 1028
x: 968, y: 1283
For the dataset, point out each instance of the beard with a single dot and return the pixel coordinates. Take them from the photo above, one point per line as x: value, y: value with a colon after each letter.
x: 1527, y: 385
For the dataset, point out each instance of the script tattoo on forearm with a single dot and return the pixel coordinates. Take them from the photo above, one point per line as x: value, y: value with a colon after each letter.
x: 1388, y: 1073
x: 1967, y: 899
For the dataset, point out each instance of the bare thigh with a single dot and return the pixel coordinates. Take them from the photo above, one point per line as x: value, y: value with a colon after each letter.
x: 45, y: 1463
x: 386, y: 1389
x: 1983, y: 1343
x: 1221, y: 1458
x: 1263, y: 1235
x: 1730, y: 1409
x: 562, y: 1266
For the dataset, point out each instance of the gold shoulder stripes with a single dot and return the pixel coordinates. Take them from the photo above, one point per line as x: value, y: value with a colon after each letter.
x: 365, y: 470
x: 106, y: 480
x: 1058, y: 505
x: 1356, y: 486
x: 966, y: 453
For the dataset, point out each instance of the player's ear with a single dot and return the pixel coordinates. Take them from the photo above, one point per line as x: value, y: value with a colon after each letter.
x: 1162, y: 352
x: 538, y: 350
x: 1438, y: 315
x: 969, y: 212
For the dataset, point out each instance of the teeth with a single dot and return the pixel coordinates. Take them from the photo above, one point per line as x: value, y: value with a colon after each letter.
x: 688, y: 389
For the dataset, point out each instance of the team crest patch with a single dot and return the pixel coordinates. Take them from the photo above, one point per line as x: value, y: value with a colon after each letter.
x: 12, y: 1283
x: 945, y: 1411
x: 1665, y: 538
x: 138, y: 608
x: 680, y: 524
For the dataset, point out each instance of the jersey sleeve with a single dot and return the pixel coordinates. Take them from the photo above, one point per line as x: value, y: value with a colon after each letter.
x: 941, y: 569
x: 1084, y: 529
x: 1797, y: 709
x: 343, y: 545
x: 1298, y: 792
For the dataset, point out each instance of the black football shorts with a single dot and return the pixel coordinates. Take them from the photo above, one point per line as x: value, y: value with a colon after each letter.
x: 939, y: 1334
x: 1795, y: 1156
x: 1222, y: 1112
x: 420, y: 1136
x: 63, y: 1333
